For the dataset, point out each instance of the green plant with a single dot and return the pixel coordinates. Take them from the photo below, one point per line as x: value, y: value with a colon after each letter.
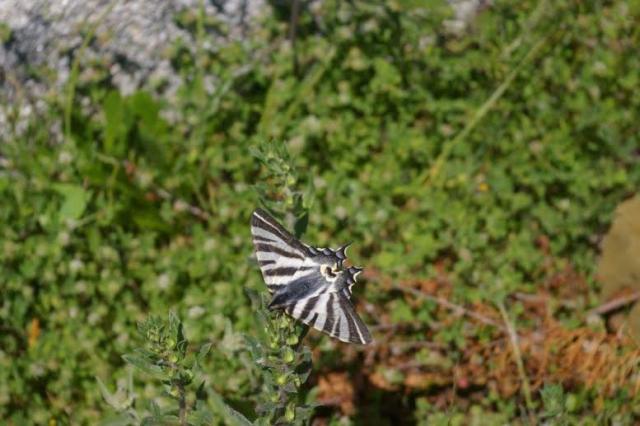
x: 284, y: 365
x: 163, y: 358
x: 144, y: 206
x: 554, y: 404
x: 186, y: 400
x: 283, y: 361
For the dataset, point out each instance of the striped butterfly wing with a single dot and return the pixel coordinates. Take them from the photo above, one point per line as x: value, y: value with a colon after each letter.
x: 282, y: 258
x: 332, y: 313
x: 292, y: 271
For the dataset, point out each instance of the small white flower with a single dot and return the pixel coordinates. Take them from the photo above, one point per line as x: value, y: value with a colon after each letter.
x: 81, y: 287
x: 144, y: 178
x: 75, y: 265
x: 180, y: 206
x: 319, y: 183
x: 195, y: 311
x: 93, y: 318
x: 209, y: 244
x: 36, y: 370
x: 64, y: 238
x: 65, y: 158
x: 164, y: 281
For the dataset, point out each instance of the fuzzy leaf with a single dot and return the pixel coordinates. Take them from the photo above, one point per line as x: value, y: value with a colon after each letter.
x: 145, y: 365
x: 229, y: 415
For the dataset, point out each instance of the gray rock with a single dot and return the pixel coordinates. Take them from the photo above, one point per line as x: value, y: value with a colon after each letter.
x: 132, y: 39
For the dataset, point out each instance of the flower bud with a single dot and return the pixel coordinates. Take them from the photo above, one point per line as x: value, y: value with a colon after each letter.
x: 292, y: 340
x: 281, y: 379
x: 290, y: 412
x: 284, y: 322
x: 187, y: 376
x: 289, y: 356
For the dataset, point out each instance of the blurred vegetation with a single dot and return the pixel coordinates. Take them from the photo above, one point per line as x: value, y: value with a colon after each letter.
x: 479, y: 168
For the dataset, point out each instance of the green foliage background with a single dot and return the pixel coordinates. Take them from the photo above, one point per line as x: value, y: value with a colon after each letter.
x: 416, y: 144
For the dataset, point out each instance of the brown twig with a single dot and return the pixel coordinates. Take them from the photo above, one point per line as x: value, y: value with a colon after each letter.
x: 531, y: 298
x: 615, y: 304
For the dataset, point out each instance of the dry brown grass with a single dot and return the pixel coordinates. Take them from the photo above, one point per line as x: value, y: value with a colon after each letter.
x: 585, y: 357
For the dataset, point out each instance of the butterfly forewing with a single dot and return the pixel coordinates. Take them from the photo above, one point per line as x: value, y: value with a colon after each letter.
x: 281, y: 257
x: 293, y: 273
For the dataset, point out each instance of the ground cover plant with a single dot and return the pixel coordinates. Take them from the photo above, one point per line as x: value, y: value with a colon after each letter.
x: 476, y: 173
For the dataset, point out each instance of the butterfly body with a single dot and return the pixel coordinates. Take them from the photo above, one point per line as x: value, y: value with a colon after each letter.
x: 310, y: 284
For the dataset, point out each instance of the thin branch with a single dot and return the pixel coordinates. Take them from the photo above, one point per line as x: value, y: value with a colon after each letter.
x: 615, y: 304
x: 515, y: 346
x: 460, y: 310
x: 530, y: 298
x: 183, y: 404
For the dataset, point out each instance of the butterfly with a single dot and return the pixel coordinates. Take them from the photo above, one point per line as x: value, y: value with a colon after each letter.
x: 308, y: 283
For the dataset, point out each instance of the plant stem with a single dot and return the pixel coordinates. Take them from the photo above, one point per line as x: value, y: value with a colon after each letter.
x: 183, y: 404
x: 515, y: 347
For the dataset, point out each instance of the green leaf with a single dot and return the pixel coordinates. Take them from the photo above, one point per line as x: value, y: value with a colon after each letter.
x: 229, y: 415
x: 202, y: 353
x: 116, y: 125
x: 75, y: 201
x: 553, y: 399
x: 401, y: 312
x: 111, y: 398
x: 201, y: 416
x: 120, y: 419
x: 145, y: 365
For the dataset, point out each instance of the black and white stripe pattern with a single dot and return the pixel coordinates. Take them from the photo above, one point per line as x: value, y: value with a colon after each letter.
x: 308, y: 283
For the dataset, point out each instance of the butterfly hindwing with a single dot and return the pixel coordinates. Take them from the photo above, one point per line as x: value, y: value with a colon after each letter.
x: 331, y: 313
x: 297, y: 276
